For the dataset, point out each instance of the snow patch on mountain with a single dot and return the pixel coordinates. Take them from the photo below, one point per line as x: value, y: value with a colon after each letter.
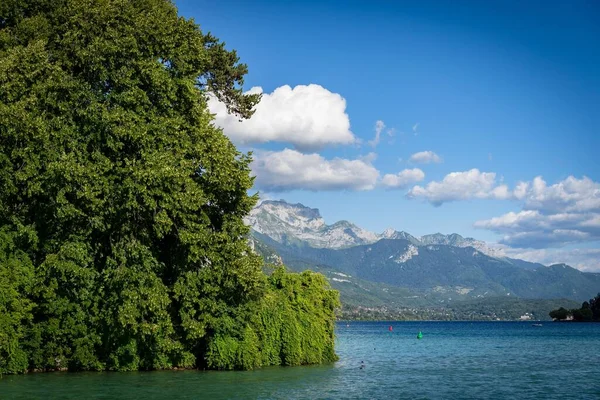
x: 297, y: 224
x: 340, y: 280
x: 463, y: 290
x: 340, y: 274
x: 289, y: 223
x: 410, y: 252
x: 459, y: 241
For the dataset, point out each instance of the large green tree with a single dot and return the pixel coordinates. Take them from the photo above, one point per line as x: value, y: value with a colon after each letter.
x: 120, y: 201
x: 589, y: 311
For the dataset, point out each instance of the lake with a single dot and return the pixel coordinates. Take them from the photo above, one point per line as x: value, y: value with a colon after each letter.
x: 453, y: 360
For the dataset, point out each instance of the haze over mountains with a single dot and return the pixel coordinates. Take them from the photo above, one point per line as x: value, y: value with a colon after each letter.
x: 395, y: 268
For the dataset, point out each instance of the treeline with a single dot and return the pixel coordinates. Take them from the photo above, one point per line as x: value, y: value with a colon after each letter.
x: 122, y: 244
x: 589, y: 311
x: 486, y: 309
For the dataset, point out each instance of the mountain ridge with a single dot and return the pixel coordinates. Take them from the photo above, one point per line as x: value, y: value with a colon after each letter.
x: 296, y: 224
x: 444, y: 267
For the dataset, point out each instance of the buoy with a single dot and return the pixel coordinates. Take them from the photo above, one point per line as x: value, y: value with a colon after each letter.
x: 390, y: 328
x: 419, y: 335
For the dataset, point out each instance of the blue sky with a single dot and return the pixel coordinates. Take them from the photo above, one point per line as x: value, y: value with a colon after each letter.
x: 506, y: 88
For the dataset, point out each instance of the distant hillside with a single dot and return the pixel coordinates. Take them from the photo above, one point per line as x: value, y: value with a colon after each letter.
x: 444, y: 269
x: 489, y: 309
x: 438, y: 276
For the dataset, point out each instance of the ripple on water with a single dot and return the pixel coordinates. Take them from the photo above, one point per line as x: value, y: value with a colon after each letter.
x: 454, y: 360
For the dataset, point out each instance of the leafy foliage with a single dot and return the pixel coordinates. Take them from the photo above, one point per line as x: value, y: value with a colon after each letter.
x: 589, y: 311
x: 121, y: 205
x: 292, y: 325
x: 16, y: 279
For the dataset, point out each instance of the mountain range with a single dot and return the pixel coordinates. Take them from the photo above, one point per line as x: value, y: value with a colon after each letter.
x: 295, y: 224
x: 395, y: 269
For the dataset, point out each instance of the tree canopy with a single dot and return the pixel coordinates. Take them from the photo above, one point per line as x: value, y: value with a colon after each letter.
x: 122, y: 244
x: 589, y: 311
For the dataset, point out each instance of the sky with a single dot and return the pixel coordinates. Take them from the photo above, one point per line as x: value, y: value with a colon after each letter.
x: 480, y: 118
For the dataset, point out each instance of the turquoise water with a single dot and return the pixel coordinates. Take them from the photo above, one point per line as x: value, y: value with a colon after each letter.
x: 454, y: 360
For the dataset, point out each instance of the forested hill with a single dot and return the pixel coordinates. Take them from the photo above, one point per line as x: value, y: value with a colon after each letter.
x: 122, y: 244
x: 459, y: 271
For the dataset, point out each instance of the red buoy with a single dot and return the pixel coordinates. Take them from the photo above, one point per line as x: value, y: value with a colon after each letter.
x: 390, y: 328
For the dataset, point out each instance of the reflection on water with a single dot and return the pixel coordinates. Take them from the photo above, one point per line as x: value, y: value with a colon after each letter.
x: 453, y: 360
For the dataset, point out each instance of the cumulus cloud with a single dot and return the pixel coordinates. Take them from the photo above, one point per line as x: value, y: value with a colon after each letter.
x: 570, y: 194
x: 307, y: 116
x: 532, y: 228
x: 557, y: 215
x: 290, y: 170
x: 425, y: 157
x: 528, y: 219
x: 465, y: 185
x: 560, y: 215
x: 403, y: 178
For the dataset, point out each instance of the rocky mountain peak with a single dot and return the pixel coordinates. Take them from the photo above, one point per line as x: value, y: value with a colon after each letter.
x: 300, y: 225
x: 388, y: 233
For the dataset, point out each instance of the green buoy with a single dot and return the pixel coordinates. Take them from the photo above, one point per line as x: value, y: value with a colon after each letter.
x: 419, y: 335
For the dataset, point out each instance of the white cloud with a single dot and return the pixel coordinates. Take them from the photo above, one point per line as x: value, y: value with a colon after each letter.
x: 307, y: 116
x: 561, y: 215
x: 369, y: 158
x: 507, y: 221
x: 465, y: 185
x: 290, y: 170
x: 521, y: 190
x: 379, y: 127
x: 403, y: 178
x: 425, y: 157
x: 528, y: 219
x: 570, y: 194
x: 543, y: 239
x: 564, y: 213
x: 532, y: 228
x: 414, y: 128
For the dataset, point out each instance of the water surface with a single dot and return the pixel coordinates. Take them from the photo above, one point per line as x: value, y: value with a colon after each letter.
x: 454, y: 360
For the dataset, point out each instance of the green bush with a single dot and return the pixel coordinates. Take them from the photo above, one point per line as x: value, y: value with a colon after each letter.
x: 16, y: 281
x: 122, y: 242
x: 293, y: 324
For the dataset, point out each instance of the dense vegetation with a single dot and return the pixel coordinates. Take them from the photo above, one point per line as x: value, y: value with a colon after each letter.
x: 589, y: 311
x: 122, y: 245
